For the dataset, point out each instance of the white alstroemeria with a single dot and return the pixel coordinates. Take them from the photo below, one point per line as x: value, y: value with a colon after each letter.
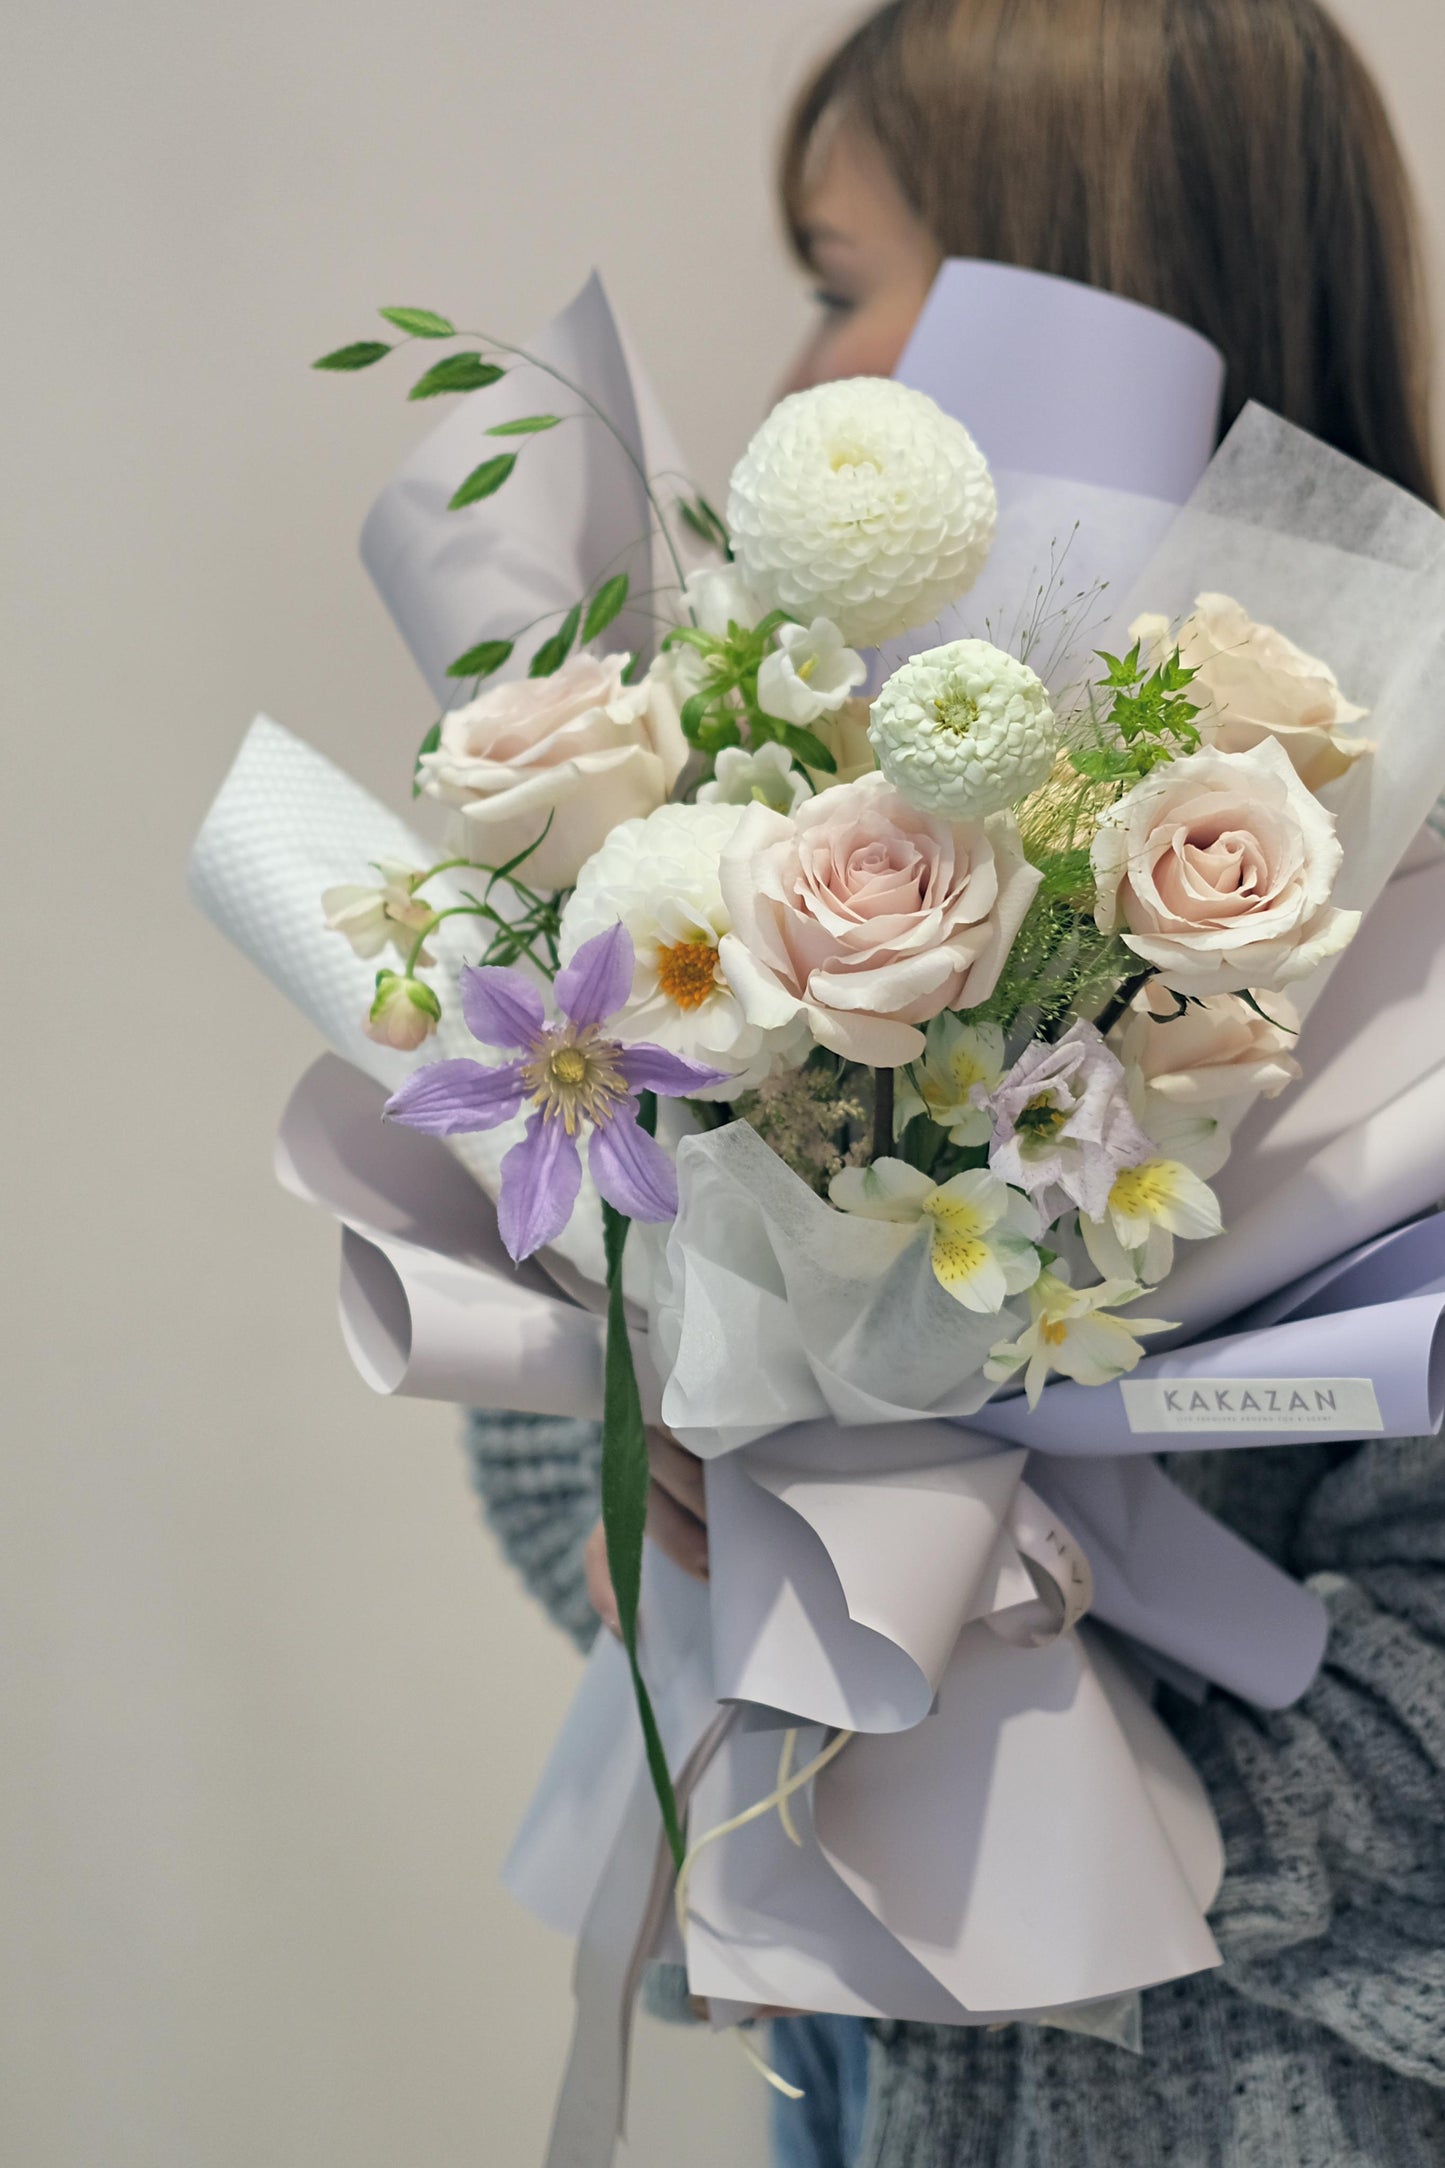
x: 766, y: 777
x: 1162, y: 1198
x: 1072, y: 1332
x: 981, y: 1233
x: 1148, y: 1207
x: 719, y: 596
x: 809, y: 673
x: 958, y: 1056
x: 370, y: 917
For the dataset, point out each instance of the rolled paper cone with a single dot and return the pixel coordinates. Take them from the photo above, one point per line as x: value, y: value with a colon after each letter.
x: 1052, y: 377
x: 845, y: 1565
x: 287, y: 824
x: 1386, y: 1170
x: 1377, y: 1027
x: 1181, y: 1584
x: 432, y: 1306
x: 573, y: 513
x: 1097, y: 416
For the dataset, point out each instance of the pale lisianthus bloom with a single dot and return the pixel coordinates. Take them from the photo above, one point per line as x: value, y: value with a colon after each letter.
x: 809, y: 673
x: 579, y: 750
x: 1072, y: 1331
x: 1061, y: 1125
x: 957, y: 1056
x: 965, y: 729
x: 1213, y: 1049
x: 981, y: 1233
x: 766, y: 777
x: 861, y: 501
x: 389, y: 911
x: 658, y: 876
x: 1251, y: 683
x: 1218, y: 870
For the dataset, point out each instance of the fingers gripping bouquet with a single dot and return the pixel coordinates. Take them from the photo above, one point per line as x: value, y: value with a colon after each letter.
x: 891, y: 1020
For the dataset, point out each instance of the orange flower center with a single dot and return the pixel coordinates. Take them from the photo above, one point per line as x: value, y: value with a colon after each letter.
x: 1053, y: 1332
x: 686, y: 972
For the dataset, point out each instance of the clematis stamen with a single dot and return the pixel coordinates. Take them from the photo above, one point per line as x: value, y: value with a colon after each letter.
x: 573, y: 1078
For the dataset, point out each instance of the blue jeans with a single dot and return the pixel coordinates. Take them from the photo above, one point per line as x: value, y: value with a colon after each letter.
x: 827, y: 2059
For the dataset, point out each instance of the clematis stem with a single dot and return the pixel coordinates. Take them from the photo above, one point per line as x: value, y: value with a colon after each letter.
x: 882, y: 1113
x: 456, y: 910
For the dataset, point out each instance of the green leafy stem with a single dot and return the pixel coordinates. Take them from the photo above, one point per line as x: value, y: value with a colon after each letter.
x: 475, y: 371
x: 626, y: 1480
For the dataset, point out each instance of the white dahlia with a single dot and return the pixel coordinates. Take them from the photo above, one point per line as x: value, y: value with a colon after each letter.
x: 861, y: 501
x: 964, y: 730
x: 658, y: 875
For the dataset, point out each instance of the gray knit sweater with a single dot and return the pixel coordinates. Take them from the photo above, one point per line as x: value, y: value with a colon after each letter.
x: 1321, y: 2043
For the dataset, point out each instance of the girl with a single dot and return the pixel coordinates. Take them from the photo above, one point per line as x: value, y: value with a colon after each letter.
x: 1229, y: 163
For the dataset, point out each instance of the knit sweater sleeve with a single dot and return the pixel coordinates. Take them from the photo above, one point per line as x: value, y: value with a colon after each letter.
x: 537, y: 1476
x: 1333, y: 1812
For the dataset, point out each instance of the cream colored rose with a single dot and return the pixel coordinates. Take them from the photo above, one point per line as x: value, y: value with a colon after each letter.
x: 846, y: 736
x: 1219, y: 1048
x: 580, y: 748
x: 1217, y: 869
x: 1253, y: 683
x: 867, y: 917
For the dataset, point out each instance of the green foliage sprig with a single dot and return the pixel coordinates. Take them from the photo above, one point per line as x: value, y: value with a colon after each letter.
x: 1150, y: 719
x: 725, y: 711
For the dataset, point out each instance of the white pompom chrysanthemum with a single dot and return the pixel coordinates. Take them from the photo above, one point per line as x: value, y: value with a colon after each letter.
x: 658, y: 875
x: 862, y: 501
x: 964, y: 730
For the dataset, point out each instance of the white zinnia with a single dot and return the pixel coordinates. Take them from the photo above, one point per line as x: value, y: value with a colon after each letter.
x: 810, y: 672
x: 981, y: 1233
x: 964, y: 729
x: 659, y: 877
x: 864, y: 502
x: 766, y: 777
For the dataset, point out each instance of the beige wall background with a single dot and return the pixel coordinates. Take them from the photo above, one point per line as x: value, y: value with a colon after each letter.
x: 270, y: 1704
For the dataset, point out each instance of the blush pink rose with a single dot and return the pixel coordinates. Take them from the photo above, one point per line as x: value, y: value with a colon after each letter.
x: 1253, y: 683
x: 1220, y: 1048
x: 580, y: 748
x: 866, y: 916
x: 1218, y: 870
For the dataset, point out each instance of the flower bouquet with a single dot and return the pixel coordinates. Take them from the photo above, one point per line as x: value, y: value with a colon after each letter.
x: 885, y: 1056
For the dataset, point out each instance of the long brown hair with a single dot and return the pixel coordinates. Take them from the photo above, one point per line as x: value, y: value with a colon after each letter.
x: 1229, y: 162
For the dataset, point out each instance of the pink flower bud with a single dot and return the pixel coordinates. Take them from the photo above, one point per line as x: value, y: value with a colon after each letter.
x: 404, y: 1012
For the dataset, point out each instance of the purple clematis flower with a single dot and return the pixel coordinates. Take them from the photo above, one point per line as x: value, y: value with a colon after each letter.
x: 573, y: 1076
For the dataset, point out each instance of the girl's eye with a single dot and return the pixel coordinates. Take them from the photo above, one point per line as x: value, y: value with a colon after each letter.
x: 835, y: 304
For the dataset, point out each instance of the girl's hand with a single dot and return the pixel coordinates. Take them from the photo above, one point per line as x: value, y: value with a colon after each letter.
x: 676, y: 1522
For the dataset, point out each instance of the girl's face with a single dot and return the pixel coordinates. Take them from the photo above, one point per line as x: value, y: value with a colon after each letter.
x: 873, y: 259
